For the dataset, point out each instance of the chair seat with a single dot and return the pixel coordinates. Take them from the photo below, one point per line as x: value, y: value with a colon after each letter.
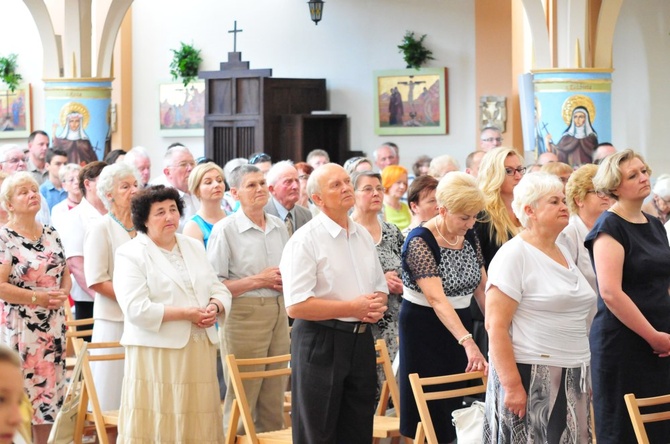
x: 277, y: 437
x: 386, y: 427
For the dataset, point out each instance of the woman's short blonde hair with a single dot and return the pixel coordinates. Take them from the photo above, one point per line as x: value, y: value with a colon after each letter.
x: 608, y: 178
x: 458, y: 192
x: 530, y: 189
x: 556, y: 168
x: 391, y: 174
x: 578, y: 186
x: 10, y: 184
x: 198, y: 173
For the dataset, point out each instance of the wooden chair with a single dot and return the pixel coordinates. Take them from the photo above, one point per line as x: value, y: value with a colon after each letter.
x: 425, y: 429
x: 386, y: 426
x: 73, y: 333
x: 96, y: 418
x: 240, y: 406
x: 639, y: 419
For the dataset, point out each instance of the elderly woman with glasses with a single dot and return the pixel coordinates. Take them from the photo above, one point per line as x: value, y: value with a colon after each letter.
x: 630, y: 340
x: 388, y: 241
x: 585, y: 206
x: 537, y: 305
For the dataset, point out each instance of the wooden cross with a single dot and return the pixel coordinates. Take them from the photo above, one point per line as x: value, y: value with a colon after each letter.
x: 234, y: 31
x: 7, y: 94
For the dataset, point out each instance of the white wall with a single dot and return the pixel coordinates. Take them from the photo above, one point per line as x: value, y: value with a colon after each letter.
x: 355, y: 38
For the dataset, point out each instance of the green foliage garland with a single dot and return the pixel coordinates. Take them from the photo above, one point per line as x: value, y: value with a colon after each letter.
x: 414, y: 53
x: 185, y: 63
x: 8, y: 72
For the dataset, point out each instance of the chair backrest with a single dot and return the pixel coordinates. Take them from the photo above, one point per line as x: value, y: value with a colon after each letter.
x: 639, y: 419
x: 390, y: 385
x: 101, y: 419
x: 73, y: 332
x: 426, y: 426
x: 241, y: 403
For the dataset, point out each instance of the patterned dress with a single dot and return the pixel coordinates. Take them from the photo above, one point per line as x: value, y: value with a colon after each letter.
x: 388, y: 250
x: 38, y: 334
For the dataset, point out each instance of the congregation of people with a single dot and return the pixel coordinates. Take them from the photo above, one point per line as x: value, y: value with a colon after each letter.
x: 549, y: 278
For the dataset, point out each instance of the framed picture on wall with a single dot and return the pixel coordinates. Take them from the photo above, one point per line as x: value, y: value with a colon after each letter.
x: 16, y: 113
x: 411, y: 101
x: 182, y: 110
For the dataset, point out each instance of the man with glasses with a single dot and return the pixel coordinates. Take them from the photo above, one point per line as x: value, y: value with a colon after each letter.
x: 38, y: 143
x: 13, y: 159
x: 178, y: 163
x: 490, y: 138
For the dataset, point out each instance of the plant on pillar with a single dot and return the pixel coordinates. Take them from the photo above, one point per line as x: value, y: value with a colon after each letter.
x: 414, y: 53
x: 8, y: 72
x: 185, y: 63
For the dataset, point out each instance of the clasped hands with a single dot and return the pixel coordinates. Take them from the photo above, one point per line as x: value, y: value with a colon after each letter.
x: 202, y: 317
x: 51, y: 300
x: 370, y: 307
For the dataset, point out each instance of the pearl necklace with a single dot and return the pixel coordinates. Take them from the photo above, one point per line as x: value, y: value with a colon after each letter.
x: 437, y: 228
x: 128, y: 230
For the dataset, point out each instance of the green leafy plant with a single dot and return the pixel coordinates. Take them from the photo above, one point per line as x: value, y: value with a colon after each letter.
x: 185, y: 63
x: 414, y: 53
x: 8, y: 72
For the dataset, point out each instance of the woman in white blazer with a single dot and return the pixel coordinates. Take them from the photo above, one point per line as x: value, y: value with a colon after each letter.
x: 170, y: 297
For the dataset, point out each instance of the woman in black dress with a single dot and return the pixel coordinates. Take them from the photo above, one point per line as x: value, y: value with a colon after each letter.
x: 629, y: 337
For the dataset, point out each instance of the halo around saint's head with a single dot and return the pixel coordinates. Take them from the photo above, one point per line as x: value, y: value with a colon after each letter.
x: 74, y: 107
x: 573, y: 102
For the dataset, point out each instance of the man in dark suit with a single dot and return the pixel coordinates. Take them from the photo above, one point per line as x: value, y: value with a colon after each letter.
x: 284, y: 188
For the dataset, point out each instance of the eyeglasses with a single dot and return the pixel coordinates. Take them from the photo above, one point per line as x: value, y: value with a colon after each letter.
x: 493, y: 139
x: 510, y: 171
x: 260, y: 158
x: 185, y: 164
x: 600, y: 194
x: 16, y: 160
x: 369, y: 190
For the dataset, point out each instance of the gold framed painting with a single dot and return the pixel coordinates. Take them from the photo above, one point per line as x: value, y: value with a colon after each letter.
x: 182, y: 110
x: 411, y: 101
x: 16, y: 112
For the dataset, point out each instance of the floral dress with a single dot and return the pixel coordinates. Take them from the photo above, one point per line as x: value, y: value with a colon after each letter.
x: 388, y: 251
x: 37, y: 333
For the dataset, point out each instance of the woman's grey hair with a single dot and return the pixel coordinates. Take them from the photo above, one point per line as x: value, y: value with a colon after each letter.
x: 68, y: 169
x: 356, y: 176
x: 231, y: 165
x: 530, y: 189
x: 138, y: 152
x: 108, y: 178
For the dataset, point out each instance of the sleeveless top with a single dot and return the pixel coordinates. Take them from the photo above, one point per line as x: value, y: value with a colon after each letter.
x: 204, y: 226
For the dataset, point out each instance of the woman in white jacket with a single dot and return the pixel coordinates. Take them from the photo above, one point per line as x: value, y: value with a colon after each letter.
x: 170, y: 297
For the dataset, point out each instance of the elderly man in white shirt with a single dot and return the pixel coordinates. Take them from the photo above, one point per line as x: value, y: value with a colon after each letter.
x: 245, y: 249
x: 334, y: 287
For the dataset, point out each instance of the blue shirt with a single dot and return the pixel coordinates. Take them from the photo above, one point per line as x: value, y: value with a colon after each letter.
x: 52, y: 194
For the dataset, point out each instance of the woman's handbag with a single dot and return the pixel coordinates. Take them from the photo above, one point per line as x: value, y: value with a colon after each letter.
x: 469, y: 423
x: 62, y: 431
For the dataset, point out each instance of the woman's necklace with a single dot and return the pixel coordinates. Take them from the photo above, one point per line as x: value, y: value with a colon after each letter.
x: 444, y: 238
x: 630, y: 220
x: 128, y: 230
x: 25, y: 232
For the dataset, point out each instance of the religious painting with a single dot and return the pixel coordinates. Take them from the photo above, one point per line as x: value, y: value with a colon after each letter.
x: 182, y: 110
x: 71, y: 136
x: 571, y: 113
x: 411, y: 101
x: 15, y: 113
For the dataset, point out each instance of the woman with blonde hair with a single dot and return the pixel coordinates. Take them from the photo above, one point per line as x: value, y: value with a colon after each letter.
x: 630, y: 340
x: 206, y: 182
x: 442, y: 272
x: 394, y: 180
x: 585, y: 207
x: 500, y: 171
x: 34, y: 283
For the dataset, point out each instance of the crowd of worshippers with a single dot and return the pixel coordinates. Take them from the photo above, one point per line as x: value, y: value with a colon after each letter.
x: 551, y: 279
